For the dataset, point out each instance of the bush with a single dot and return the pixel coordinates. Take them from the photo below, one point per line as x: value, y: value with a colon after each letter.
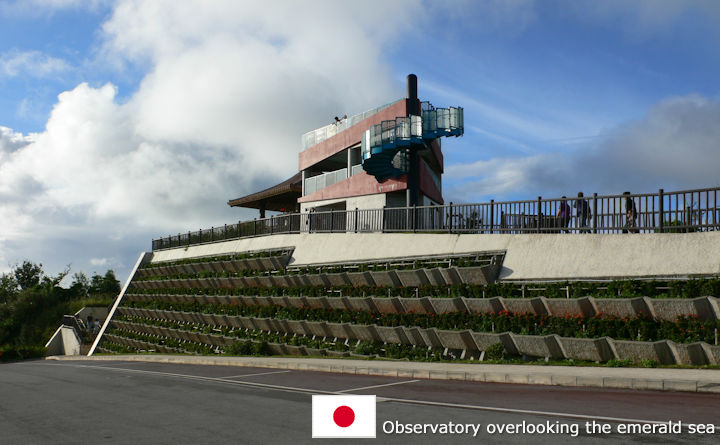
x: 495, y: 352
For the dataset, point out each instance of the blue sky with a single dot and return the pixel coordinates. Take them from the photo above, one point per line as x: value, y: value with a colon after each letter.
x: 123, y: 121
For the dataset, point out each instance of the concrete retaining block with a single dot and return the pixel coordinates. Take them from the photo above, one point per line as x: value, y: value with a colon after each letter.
x: 450, y: 276
x: 277, y: 325
x: 262, y: 300
x: 235, y: 322
x: 670, y: 309
x: 538, y: 346
x: 359, y: 304
x: 692, y: 353
x: 386, y: 278
x: 338, y: 279
x: 279, y: 301
x: 206, y: 319
x: 317, y: 302
x: 296, y: 327
x: 247, y: 323
x: 415, y: 336
x: 316, y: 328
x: 335, y: 303
x: 568, y: 307
x: 296, y: 302
x: 484, y: 340
x: 412, y: 278
x: 583, y: 349
x: 393, y: 334
x: 457, y: 340
x: 434, y: 276
x: 639, y: 351
x: 618, y: 307
x: 444, y: 305
x: 712, y: 352
x: 365, y: 333
x: 336, y: 330
x: 388, y: 305
x: 417, y: 305
x: 318, y: 280
x: 483, y: 305
x: 431, y: 337
x: 266, y: 263
x: 525, y: 305
x: 361, y: 279
x: 478, y: 274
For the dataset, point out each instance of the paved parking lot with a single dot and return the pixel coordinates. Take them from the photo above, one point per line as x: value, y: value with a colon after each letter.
x: 123, y: 402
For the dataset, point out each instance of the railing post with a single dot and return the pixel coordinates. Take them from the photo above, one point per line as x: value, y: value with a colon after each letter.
x: 272, y: 225
x: 382, y: 223
x: 595, y: 215
x: 188, y: 237
x: 539, y: 214
x: 332, y: 222
x: 414, y: 215
x: 225, y: 232
x: 661, y: 210
x: 492, y: 214
x: 254, y: 226
x: 212, y: 234
x: 450, y: 217
x: 201, y: 240
x: 356, y: 219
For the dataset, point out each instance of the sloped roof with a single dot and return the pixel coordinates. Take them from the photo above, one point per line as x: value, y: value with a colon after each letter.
x: 280, y: 197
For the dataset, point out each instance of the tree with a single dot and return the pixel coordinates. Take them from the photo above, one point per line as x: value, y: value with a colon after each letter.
x: 107, y: 284
x: 110, y: 284
x: 28, y: 275
x: 80, y: 284
x: 8, y: 288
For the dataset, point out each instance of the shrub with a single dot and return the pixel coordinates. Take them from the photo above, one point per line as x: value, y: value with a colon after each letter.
x: 495, y: 352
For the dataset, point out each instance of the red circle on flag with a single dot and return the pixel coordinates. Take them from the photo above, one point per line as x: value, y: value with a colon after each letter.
x: 344, y: 416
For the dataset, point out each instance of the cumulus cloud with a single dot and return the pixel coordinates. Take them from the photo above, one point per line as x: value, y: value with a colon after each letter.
x: 674, y: 146
x: 229, y: 89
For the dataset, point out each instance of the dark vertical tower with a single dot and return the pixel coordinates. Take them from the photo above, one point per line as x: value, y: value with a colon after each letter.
x: 413, y: 108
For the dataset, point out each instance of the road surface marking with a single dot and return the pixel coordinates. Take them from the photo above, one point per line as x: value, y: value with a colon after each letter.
x: 252, y: 375
x: 380, y: 398
x: 378, y: 386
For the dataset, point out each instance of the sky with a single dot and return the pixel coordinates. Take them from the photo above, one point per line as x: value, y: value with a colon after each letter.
x: 123, y: 121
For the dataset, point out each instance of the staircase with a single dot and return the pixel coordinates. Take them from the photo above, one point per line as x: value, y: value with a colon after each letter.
x: 382, y: 142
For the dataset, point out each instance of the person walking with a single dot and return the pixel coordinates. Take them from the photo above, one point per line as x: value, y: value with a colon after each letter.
x: 583, y: 212
x: 563, y: 215
x: 630, y: 214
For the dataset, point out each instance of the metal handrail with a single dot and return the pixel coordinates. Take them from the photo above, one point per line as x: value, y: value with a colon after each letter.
x: 680, y: 211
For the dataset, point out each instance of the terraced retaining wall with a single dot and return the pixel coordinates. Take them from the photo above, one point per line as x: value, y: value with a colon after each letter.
x: 526, y: 257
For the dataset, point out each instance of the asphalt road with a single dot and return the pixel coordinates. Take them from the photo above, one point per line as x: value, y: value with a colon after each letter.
x: 48, y: 402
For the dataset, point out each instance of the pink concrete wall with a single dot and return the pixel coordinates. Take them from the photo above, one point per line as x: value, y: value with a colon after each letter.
x: 349, y: 137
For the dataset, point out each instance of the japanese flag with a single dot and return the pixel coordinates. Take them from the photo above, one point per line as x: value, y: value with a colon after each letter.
x: 343, y: 416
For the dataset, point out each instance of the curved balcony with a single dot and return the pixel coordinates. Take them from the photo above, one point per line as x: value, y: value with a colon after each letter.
x: 382, y: 142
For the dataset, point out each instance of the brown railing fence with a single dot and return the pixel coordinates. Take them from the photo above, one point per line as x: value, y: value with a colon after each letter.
x: 661, y: 212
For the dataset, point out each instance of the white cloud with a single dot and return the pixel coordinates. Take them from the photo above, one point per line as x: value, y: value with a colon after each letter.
x: 102, y: 262
x: 230, y: 88
x: 673, y: 147
x: 31, y: 63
